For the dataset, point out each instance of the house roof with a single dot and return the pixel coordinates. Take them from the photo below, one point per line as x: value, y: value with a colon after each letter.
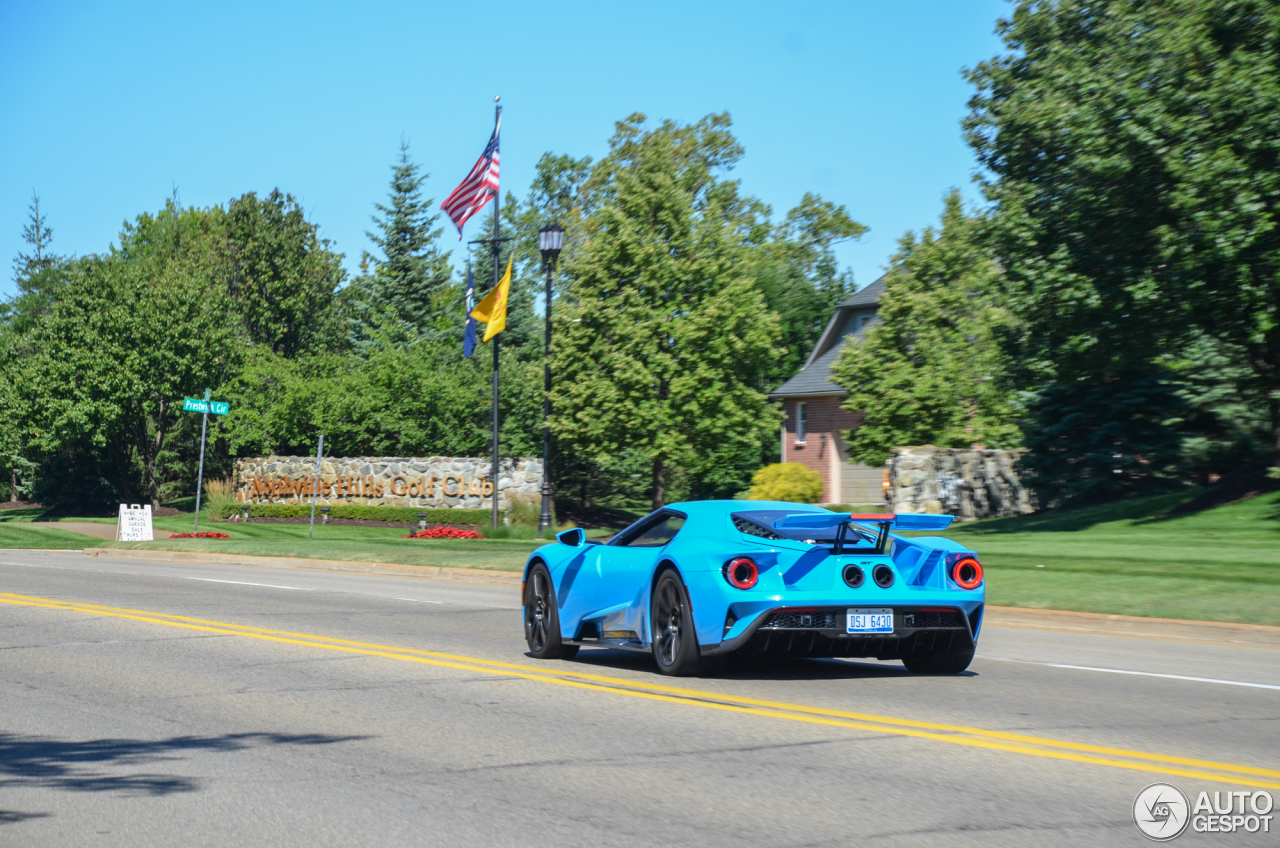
x: 815, y: 377
x: 866, y: 296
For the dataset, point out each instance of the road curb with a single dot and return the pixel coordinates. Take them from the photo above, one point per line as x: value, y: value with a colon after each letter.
x: 421, y: 572
x: 1257, y: 635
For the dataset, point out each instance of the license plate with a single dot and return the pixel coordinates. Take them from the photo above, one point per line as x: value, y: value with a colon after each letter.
x: 870, y: 621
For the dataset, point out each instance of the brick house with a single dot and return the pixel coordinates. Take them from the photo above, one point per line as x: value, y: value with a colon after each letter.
x: 814, y: 416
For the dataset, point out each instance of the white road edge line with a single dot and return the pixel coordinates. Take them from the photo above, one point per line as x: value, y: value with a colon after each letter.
x: 416, y: 601
x: 243, y: 583
x: 1138, y: 673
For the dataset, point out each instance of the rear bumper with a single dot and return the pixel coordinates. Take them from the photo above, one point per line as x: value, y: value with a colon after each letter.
x: 821, y: 633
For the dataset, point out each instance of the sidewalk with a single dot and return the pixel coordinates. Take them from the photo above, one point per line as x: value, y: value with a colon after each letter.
x: 1255, y: 635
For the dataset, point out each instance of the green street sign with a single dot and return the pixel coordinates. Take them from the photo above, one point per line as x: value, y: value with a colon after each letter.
x: 213, y: 407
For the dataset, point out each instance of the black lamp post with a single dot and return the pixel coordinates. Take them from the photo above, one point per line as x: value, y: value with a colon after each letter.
x: 550, y: 241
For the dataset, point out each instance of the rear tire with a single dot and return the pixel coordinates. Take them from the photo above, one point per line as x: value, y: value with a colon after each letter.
x: 542, y: 618
x: 675, y: 644
x: 952, y: 660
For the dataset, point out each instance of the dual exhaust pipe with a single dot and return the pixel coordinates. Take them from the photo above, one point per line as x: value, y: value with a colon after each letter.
x: 854, y: 576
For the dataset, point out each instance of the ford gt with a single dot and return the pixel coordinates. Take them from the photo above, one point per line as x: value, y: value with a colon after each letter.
x: 693, y: 583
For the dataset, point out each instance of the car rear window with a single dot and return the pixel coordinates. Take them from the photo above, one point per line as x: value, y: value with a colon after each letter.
x: 760, y: 523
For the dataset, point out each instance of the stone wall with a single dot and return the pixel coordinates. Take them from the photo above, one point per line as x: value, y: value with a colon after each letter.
x: 436, y: 481
x: 968, y: 484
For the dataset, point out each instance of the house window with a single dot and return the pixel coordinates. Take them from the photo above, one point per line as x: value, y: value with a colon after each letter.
x: 866, y: 319
x: 801, y: 422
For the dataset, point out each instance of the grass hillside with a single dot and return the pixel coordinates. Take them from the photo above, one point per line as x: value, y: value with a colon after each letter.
x: 1127, y: 558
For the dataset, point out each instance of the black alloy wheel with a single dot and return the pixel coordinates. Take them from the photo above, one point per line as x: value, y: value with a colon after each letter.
x: 675, y: 645
x: 542, y: 618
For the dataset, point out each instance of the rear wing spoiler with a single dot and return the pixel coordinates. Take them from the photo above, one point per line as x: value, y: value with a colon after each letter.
x: 889, y: 520
x: 843, y: 522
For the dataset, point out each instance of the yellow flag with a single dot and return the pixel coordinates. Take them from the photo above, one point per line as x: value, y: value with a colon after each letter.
x: 493, y: 309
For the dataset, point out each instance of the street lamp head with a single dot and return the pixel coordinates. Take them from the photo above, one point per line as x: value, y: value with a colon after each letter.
x: 550, y: 242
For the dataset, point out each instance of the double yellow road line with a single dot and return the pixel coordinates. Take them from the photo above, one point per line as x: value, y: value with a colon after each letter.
x: 973, y: 737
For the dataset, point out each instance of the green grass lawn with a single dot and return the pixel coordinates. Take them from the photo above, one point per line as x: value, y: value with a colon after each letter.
x: 1221, y: 564
x: 26, y: 528
x: 363, y: 544
x: 27, y: 536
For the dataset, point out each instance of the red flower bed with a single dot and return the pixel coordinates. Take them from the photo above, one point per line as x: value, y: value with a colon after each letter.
x: 444, y: 533
x: 201, y: 535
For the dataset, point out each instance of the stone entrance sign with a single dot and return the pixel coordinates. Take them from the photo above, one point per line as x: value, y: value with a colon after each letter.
x: 436, y: 482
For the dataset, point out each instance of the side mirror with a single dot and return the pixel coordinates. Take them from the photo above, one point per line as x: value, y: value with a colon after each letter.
x: 572, y: 538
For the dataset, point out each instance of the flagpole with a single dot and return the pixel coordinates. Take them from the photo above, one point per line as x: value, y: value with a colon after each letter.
x: 497, y: 248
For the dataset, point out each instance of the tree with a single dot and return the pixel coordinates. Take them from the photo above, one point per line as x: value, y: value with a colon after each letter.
x: 279, y: 273
x: 797, y: 274
x: 399, y: 400
x: 1132, y: 148
x: 130, y: 336
x: 663, y: 341
x: 38, y: 274
x: 931, y: 372
x: 36, y: 233
x: 553, y: 196
x: 407, y: 281
x: 1104, y: 441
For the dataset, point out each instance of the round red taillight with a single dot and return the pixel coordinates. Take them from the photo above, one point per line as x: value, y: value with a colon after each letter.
x: 967, y: 573
x: 741, y: 572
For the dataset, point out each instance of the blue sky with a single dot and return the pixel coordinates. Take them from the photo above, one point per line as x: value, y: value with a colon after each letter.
x: 107, y: 107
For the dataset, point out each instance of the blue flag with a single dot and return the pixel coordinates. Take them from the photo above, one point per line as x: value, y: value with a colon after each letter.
x: 469, y: 337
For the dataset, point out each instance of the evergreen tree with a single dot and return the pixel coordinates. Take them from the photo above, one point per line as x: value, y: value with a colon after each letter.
x: 37, y: 234
x: 39, y: 274
x: 663, y: 341
x: 409, y: 281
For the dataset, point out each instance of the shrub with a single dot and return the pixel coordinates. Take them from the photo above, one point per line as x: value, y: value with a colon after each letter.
x: 219, y: 496
x: 203, y: 534
x: 786, y: 481
x: 526, y: 510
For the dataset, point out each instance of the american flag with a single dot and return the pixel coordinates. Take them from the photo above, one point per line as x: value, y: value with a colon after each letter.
x: 481, y: 184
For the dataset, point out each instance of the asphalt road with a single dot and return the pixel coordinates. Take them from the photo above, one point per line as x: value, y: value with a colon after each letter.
x: 144, y: 703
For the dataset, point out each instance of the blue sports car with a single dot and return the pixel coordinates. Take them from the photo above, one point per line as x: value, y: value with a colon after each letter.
x: 696, y: 582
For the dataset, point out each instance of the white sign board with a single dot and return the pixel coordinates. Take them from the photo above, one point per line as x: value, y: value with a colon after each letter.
x: 134, y: 524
